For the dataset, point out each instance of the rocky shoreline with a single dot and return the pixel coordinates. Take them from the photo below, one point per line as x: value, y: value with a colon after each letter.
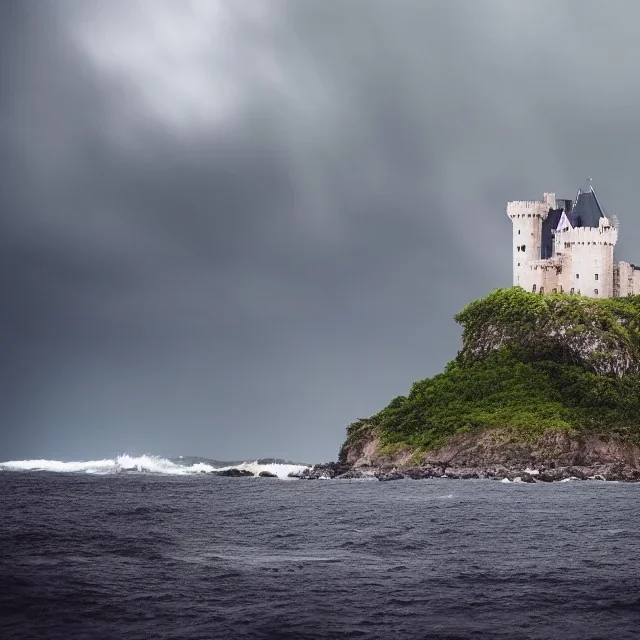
x: 554, y: 456
x: 491, y: 454
x: 335, y: 471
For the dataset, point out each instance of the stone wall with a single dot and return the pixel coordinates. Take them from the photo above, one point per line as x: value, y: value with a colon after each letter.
x: 542, y: 276
x: 625, y: 277
x: 589, y: 259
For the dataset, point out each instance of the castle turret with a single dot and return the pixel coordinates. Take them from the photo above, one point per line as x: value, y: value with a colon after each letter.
x: 527, y: 217
x: 586, y: 240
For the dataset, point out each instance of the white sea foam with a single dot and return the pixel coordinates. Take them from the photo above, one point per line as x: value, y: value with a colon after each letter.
x: 144, y: 463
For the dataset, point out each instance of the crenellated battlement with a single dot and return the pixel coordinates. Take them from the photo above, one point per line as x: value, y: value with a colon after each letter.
x: 588, y: 236
x: 550, y: 263
x: 528, y: 208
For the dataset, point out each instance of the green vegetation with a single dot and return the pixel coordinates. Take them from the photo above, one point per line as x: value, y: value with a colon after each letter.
x: 529, y: 364
x: 602, y: 335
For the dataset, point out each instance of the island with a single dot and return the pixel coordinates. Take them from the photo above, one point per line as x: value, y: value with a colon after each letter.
x: 544, y: 388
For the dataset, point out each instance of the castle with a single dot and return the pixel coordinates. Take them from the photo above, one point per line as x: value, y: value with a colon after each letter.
x: 559, y: 246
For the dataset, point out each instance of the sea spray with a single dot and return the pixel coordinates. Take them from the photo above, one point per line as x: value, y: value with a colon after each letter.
x: 152, y: 464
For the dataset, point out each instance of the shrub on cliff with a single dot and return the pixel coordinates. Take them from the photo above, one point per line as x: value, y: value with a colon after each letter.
x: 601, y: 335
x: 529, y: 364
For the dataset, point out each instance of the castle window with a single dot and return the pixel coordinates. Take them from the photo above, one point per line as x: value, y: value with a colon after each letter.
x: 518, y: 231
x: 534, y: 288
x: 518, y: 264
x: 572, y: 290
x: 518, y: 247
x: 596, y: 276
x: 541, y: 289
x: 577, y: 276
x: 595, y: 291
x: 555, y: 291
x: 523, y: 248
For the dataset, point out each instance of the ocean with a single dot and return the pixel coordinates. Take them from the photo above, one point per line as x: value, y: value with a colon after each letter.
x: 86, y: 552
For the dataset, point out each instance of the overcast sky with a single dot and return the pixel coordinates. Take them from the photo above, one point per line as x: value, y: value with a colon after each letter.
x: 231, y: 228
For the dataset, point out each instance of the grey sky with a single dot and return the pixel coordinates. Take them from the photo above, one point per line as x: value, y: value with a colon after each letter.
x: 231, y: 228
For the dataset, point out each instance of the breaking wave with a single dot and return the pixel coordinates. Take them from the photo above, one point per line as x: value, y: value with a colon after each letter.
x: 154, y: 464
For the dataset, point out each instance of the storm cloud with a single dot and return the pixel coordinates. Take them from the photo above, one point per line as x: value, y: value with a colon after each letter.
x: 231, y: 228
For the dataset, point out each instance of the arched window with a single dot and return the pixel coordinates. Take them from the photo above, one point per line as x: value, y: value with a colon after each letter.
x: 596, y: 276
x: 572, y: 290
x: 595, y: 291
x: 541, y: 289
x: 534, y: 288
x: 555, y: 290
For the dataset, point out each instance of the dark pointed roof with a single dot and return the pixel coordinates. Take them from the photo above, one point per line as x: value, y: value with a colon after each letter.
x: 587, y: 210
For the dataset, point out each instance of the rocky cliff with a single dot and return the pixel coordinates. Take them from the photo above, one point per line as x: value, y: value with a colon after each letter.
x: 544, y: 386
x: 601, y: 335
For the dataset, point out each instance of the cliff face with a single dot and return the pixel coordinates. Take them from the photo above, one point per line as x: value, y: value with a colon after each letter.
x: 493, y: 448
x: 364, y: 447
x: 600, y: 335
x: 541, y: 382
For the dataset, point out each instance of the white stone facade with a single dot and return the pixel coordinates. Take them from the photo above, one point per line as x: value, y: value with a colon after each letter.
x: 581, y: 248
x: 626, y: 280
x: 527, y: 217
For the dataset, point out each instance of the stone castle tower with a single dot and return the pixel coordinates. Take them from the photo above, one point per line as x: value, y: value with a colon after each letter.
x: 559, y: 246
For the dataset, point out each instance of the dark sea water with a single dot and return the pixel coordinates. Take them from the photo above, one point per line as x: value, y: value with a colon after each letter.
x: 149, y: 556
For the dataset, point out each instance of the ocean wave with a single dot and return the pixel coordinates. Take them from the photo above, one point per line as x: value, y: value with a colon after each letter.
x: 150, y: 464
